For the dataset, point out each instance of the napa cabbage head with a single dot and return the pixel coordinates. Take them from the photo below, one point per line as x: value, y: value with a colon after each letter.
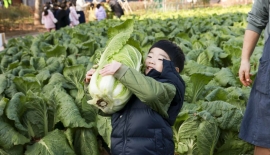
x: 107, y: 93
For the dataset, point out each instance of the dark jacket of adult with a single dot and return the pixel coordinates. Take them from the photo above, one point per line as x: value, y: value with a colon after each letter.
x: 143, y: 126
x: 116, y: 8
x: 63, y: 18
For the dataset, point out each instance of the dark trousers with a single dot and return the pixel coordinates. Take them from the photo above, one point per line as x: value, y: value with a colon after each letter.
x: 82, y: 16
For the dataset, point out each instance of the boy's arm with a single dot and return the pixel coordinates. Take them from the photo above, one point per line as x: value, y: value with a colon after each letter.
x: 155, y: 94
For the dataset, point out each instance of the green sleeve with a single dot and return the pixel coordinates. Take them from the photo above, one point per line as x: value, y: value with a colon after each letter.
x: 156, y: 95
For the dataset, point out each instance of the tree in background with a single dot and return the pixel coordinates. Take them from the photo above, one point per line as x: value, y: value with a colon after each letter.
x: 38, y: 11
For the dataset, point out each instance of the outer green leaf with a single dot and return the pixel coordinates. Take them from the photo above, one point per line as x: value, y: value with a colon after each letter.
x: 76, y: 75
x: 43, y: 76
x: 80, y: 35
x: 204, y: 59
x: 69, y: 134
x: 85, y: 142
x: 71, y: 60
x: 227, y: 115
x: 234, y: 146
x: 193, y: 55
x: 11, y: 89
x: 188, y: 129
x: 3, y: 83
x: 15, y: 109
x: 38, y: 63
x: 104, y: 128
x: 45, y: 46
x: 199, y: 80
x: 193, y: 67
x: 217, y: 94
x: 118, y: 36
x: 89, y: 112
x: 12, y: 50
x: 68, y: 112
x: 3, y: 104
x: 37, y: 115
x: 72, y: 49
x: 9, y: 136
x: 207, y: 135
x: 23, y: 72
x: 237, y: 96
x: 54, y: 65
x: 88, y: 48
x: 57, y: 51
x: 13, y: 65
x: 15, y: 150
x: 55, y: 143
x: 225, y: 77
x: 5, y: 61
x: 25, y: 85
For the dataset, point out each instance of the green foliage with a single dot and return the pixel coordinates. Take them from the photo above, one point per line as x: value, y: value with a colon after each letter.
x: 7, y: 3
x: 44, y: 109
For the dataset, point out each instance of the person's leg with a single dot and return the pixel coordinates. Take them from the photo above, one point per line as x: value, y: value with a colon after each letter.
x: 261, y: 151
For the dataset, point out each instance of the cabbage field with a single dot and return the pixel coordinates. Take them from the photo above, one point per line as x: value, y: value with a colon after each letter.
x: 44, y: 109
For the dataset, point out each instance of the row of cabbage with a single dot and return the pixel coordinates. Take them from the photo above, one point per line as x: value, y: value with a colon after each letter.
x: 44, y: 109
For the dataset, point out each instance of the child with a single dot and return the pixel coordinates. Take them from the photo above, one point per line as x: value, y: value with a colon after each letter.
x: 73, y: 16
x: 100, y: 12
x: 91, y: 13
x: 48, y: 19
x: 143, y: 126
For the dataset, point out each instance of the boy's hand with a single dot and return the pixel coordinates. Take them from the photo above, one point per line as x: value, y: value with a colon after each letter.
x: 89, y: 74
x: 110, y: 69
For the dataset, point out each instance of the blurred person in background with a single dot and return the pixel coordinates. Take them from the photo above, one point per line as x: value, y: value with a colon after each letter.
x: 55, y: 11
x: 100, y: 12
x: 116, y: 8
x: 255, y: 124
x: 73, y: 16
x: 48, y: 18
x: 67, y: 8
x: 63, y: 16
x: 91, y: 12
x: 80, y: 6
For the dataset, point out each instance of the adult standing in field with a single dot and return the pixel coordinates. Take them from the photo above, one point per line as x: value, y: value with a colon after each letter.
x: 55, y: 11
x: 63, y: 16
x: 255, y: 124
x: 116, y: 8
x: 80, y: 5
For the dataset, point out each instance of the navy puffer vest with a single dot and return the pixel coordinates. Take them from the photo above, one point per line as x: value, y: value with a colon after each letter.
x: 139, y: 130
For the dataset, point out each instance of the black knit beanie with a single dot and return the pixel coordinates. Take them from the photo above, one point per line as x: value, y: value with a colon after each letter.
x: 174, y: 52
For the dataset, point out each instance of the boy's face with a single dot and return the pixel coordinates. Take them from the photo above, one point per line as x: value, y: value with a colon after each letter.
x: 154, y: 60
